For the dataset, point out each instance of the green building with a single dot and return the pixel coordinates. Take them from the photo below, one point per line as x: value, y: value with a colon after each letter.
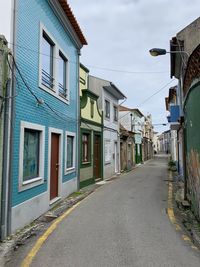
x: 91, y: 144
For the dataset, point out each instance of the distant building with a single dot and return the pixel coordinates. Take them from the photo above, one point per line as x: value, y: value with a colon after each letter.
x: 133, y: 121
x: 108, y: 101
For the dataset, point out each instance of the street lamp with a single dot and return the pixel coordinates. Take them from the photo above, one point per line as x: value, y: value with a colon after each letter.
x: 160, y: 51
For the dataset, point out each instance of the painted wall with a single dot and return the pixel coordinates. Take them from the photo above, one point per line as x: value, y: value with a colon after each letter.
x: 111, y: 138
x: 83, y: 79
x: 192, y: 111
x: 91, y: 123
x: 30, y: 14
x: 86, y: 111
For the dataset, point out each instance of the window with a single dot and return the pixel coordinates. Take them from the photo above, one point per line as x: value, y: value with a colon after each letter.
x: 107, y: 151
x: 31, y: 154
x: 107, y: 109
x: 70, y: 152
x: 85, y: 147
x: 47, y: 61
x: 54, y: 67
x: 115, y: 113
x: 62, y: 75
x: 31, y: 158
x: 92, y: 108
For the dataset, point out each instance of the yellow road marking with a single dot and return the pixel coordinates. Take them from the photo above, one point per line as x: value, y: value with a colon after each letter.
x: 171, y: 215
x: 170, y: 209
x: 29, y: 258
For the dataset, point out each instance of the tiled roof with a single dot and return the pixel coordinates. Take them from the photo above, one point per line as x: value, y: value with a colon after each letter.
x: 66, y: 8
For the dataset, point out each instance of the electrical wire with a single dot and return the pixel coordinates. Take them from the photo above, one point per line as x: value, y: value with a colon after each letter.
x: 147, y: 99
x: 91, y: 66
x: 65, y: 117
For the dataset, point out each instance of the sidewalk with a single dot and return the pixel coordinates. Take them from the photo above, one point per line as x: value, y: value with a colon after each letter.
x: 182, y: 211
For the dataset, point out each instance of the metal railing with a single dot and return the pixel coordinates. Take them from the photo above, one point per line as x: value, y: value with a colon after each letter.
x: 47, y: 79
x: 62, y: 91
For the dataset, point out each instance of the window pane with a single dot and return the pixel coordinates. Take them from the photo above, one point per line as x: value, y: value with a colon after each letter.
x: 107, y: 108
x: 62, y: 75
x: 31, y: 154
x: 85, y: 148
x: 115, y: 113
x: 70, y: 151
x: 47, y: 62
x: 92, y: 109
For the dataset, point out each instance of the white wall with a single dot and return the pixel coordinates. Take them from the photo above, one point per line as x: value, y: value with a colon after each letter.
x: 111, y: 135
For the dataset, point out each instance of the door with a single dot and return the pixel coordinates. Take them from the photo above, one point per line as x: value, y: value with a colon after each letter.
x: 97, y: 156
x: 115, y: 157
x: 54, y: 166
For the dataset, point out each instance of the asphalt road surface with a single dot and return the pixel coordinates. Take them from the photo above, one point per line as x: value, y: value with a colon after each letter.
x: 124, y: 223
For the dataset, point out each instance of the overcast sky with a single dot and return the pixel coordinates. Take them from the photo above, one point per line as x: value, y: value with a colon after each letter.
x: 120, y: 34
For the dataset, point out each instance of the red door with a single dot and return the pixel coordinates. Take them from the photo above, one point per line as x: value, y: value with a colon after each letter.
x: 54, y: 166
x: 97, y: 156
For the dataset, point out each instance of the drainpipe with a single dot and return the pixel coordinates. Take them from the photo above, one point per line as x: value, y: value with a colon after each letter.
x: 78, y: 123
x: 5, y: 197
x: 5, y: 181
x: 12, y: 120
x: 184, y: 161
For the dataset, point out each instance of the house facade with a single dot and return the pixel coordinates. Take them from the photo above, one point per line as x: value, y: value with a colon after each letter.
x: 147, y: 144
x: 133, y: 120
x: 44, y: 167
x: 91, y: 134
x: 126, y: 149
x: 108, y: 101
x: 173, y: 108
x: 185, y: 67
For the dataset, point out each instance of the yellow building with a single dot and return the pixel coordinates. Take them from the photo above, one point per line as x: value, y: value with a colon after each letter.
x: 91, y: 152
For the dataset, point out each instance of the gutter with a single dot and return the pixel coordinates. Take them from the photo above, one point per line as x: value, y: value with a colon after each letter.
x: 5, y: 182
x: 78, y: 123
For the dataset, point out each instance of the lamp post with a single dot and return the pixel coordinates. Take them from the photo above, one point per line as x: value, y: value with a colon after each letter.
x: 159, y: 52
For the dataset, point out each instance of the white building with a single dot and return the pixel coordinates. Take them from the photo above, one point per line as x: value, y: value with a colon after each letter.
x: 109, y: 96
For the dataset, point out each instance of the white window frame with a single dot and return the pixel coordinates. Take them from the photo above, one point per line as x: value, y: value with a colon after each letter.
x: 24, y: 185
x: 64, y: 58
x: 115, y: 106
x: 73, y: 168
x: 108, y: 150
x: 56, y: 50
x: 106, y: 100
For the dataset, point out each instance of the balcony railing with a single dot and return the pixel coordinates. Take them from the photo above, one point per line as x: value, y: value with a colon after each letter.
x: 62, y: 91
x: 47, y: 79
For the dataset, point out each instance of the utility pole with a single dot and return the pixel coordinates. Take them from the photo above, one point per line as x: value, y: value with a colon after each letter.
x: 4, y: 99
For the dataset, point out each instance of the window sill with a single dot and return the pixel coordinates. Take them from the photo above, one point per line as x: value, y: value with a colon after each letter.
x: 54, y: 93
x: 31, y: 183
x: 86, y: 162
x: 70, y: 170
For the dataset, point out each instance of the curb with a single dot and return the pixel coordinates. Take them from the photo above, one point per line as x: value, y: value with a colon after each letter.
x: 190, y: 235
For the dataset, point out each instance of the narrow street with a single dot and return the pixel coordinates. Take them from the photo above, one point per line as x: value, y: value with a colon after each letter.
x: 124, y: 223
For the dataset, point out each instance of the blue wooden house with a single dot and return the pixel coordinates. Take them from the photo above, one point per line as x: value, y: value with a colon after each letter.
x: 47, y: 41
